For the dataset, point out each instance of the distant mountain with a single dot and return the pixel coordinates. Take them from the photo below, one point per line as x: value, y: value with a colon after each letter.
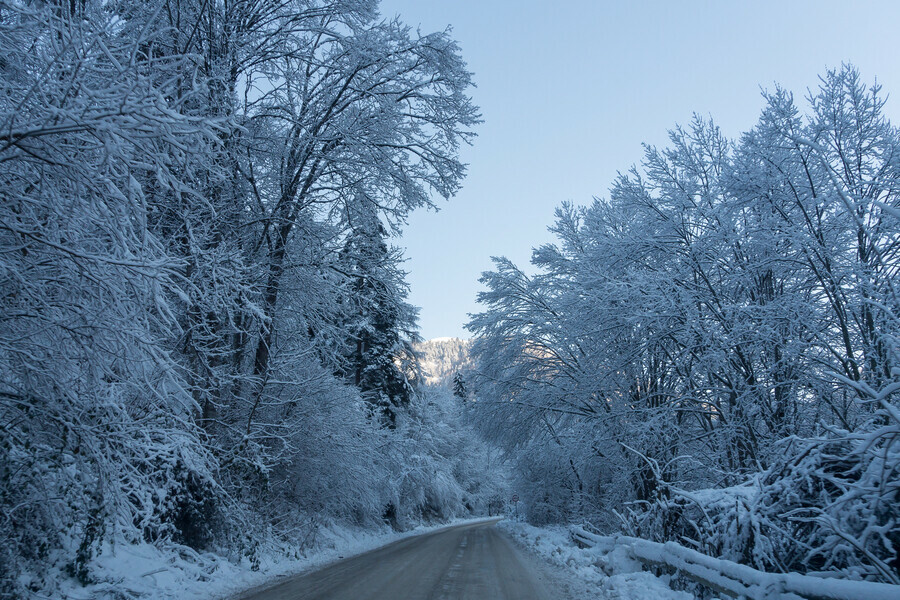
x: 443, y: 357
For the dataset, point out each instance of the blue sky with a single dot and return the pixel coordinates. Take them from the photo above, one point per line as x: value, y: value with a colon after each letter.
x: 569, y: 91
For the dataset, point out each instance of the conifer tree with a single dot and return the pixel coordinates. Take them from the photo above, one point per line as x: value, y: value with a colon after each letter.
x: 379, y: 322
x: 459, y: 387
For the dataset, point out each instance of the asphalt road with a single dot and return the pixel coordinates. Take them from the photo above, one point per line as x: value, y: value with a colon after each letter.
x: 473, y: 561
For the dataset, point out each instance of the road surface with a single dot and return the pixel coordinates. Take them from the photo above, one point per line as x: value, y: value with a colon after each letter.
x: 474, y: 561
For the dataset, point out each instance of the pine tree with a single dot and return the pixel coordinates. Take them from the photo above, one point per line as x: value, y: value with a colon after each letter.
x: 379, y: 321
x: 459, y: 387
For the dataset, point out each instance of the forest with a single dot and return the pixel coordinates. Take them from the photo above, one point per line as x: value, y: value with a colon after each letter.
x: 205, y: 343
x: 207, y: 347
x: 711, y: 356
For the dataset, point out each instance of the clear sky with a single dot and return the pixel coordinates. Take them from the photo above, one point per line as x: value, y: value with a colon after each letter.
x: 570, y: 89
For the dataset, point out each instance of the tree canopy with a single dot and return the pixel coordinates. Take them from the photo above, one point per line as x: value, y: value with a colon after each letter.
x: 726, y: 320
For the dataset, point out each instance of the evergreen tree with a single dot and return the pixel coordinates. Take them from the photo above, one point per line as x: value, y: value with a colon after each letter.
x: 378, y: 357
x: 459, y: 387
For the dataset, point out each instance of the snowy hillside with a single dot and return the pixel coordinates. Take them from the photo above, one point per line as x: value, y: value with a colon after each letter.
x: 443, y: 357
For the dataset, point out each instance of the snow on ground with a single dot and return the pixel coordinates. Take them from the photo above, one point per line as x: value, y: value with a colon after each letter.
x: 147, y: 572
x: 592, y: 572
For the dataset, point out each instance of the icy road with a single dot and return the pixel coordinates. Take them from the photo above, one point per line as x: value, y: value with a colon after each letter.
x: 473, y: 561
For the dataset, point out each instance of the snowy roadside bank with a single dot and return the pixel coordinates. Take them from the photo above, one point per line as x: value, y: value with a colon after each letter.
x: 145, y: 571
x: 592, y: 572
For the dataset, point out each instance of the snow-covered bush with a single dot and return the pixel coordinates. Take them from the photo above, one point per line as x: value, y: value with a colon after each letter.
x: 831, y: 505
x: 836, y: 504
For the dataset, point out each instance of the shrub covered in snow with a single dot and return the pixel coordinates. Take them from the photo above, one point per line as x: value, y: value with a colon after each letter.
x: 832, y: 504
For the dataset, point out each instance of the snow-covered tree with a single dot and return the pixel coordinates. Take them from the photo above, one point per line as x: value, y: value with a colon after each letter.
x: 98, y: 438
x: 179, y: 180
x: 459, y: 387
x: 727, y: 314
x: 379, y: 325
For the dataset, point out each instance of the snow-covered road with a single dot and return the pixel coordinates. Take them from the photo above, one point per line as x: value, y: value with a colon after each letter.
x: 474, y: 560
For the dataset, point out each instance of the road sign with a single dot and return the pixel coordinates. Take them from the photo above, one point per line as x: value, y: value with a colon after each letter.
x: 515, y: 498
